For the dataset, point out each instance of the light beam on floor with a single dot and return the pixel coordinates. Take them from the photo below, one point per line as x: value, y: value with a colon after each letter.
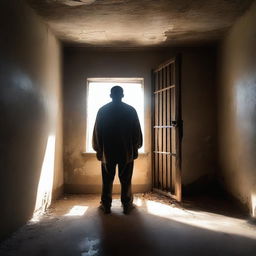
x: 206, y: 220
x: 77, y: 210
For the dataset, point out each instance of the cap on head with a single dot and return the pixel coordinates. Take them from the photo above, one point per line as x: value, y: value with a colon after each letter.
x: 117, y: 92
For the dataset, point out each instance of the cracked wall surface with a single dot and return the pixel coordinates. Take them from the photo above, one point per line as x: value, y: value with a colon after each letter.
x: 133, y: 23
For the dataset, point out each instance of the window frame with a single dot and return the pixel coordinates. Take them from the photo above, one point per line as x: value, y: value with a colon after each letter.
x: 114, y: 80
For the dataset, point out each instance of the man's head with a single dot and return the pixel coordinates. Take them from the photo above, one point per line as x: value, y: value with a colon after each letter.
x: 117, y: 93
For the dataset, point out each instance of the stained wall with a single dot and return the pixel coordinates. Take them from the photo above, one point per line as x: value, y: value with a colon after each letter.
x: 30, y: 115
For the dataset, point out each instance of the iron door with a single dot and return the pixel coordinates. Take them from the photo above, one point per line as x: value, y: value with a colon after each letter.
x: 167, y: 129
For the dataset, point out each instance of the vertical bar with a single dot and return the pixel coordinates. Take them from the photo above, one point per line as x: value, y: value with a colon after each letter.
x: 161, y: 133
x: 158, y: 134
x: 156, y: 160
x: 156, y: 99
x: 172, y: 74
x: 158, y: 131
x: 155, y: 157
x: 173, y: 137
x: 164, y: 130
x: 168, y: 75
x: 171, y: 130
x: 174, y: 132
x: 168, y: 139
x: 156, y: 81
x: 173, y: 174
x: 173, y: 118
x: 168, y: 106
x: 168, y: 122
x: 160, y: 79
x: 178, y: 129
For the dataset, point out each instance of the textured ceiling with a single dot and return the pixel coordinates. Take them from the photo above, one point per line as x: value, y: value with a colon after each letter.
x: 138, y: 23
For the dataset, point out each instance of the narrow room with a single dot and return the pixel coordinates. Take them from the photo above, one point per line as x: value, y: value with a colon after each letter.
x: 187, y: 72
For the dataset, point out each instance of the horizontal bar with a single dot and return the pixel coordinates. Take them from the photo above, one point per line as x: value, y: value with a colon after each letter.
x: 165, y: 89
x: 167, y: 63
x: 165, y: 153
x: 164, y: 126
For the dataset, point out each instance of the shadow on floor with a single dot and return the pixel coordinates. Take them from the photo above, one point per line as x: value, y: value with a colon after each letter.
x: 144, y: 234
x: 138, y: 234
x: 124, y: 235
x: 207, y: 194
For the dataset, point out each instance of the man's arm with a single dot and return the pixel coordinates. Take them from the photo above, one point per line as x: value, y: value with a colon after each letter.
x: 97, y: 137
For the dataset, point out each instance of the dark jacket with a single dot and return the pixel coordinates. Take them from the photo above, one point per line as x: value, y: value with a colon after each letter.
x: 117, y: 134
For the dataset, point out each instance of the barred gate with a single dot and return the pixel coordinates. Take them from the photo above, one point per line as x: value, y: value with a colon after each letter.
x: 167, y: 129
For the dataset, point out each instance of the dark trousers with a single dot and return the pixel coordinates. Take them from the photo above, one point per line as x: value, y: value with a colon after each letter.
x: 125, y: 176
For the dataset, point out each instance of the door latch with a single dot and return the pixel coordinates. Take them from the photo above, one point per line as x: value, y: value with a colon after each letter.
x: 174, y: 123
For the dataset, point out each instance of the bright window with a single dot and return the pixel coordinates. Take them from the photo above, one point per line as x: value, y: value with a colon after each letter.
x: 98, y: 93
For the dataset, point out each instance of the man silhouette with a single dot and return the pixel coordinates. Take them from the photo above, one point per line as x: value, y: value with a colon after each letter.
x: 116, y: 139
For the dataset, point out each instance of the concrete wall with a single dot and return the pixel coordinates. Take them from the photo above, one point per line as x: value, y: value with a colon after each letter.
x: 199, y: 111
x: 30, y: 115
x: 82, y: 172
x: 237, y: 115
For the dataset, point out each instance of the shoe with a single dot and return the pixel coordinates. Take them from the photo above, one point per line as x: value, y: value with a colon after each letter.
x: 105, y: 209
x: 128, y: 208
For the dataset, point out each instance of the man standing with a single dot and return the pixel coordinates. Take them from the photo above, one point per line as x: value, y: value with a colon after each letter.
x: 116, y: 139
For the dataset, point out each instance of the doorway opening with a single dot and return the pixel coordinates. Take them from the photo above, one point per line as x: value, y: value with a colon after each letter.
x: 98, y: 94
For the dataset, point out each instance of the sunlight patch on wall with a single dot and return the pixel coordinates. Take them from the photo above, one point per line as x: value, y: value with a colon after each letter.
x: 44, y: 191
x: 253, y: 200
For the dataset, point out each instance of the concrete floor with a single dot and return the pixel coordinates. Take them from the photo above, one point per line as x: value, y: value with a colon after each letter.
x: 74, y: 226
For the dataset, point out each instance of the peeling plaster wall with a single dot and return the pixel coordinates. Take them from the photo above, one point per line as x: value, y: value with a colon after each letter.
x: 30, y: 113
x: 82, y: 172
x: 237, y: 117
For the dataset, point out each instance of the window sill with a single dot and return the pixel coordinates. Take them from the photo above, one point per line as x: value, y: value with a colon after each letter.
x: 94, y: 154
